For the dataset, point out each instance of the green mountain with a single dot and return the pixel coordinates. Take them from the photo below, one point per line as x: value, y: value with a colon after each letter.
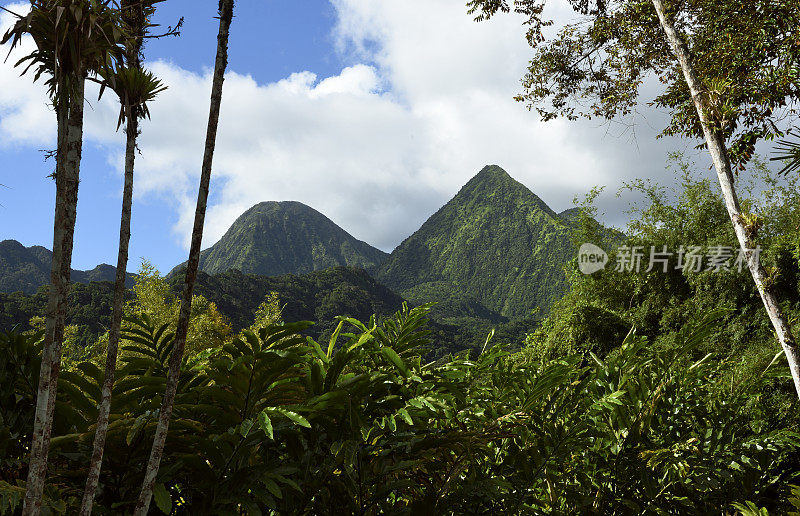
x: 495, y: 242
x: 274, y: 238
x: 25, y: 269
x: 88, y: 307
x: 318, y: 296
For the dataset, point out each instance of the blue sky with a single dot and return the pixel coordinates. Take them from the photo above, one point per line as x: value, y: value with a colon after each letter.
x: 271, y: 38
x: 373, y: 112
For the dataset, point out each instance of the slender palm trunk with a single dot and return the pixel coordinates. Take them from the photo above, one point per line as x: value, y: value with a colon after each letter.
x: 68, y: 158
x: 225, y: 18
x: 116, y: 319
x: 133, y: 16
x: 719, y: 155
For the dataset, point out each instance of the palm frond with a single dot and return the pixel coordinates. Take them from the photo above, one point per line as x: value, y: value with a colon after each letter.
x: 788, y: 152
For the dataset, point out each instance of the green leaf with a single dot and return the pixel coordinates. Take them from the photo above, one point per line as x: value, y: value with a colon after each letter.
x: 244, y: 429
x: 137, y: 425
x: 273, y: 488
x: 334, y: 338
x: 395, y: 359
x: 294, y: 416
x: 403, y: 413
x: 162, y: 498
x: 265, y: 423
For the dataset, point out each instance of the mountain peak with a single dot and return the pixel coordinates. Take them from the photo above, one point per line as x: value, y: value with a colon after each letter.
x: 491, y: 175
x: 279, y: 204
x: 493, y: 171
x: 283, y: 206
x: 494, y: 186
x: 495, y: 220
x: 286, y: 237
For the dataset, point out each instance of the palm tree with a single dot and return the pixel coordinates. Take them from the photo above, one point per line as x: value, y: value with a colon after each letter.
x: 221, y: 63
x: 74, y: 38
x: 719, y: 155
x: 135, y: 87
x: 789, y: 152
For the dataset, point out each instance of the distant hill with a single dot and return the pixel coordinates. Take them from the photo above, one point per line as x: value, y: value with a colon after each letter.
x: 495, y: 242
x: 25, y: 269
x: 88, y: 307
x: 274, y: 238
x: 317, y: 296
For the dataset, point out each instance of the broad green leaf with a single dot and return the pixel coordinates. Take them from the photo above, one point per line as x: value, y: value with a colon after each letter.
x: 162, y: 498
x: 265, y: 423
x: 395, y: 359
x: 294, y: 416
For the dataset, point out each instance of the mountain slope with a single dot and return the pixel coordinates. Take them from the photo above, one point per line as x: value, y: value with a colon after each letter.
x: 317, y: 296
x: 274, y: 238
x: 495, y: 241
x: 25, y: 269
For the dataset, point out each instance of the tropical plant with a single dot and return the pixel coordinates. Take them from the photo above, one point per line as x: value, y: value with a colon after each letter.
x: 732, y: 85
x: 19, y: 367
x: 275, y: 422
x: 789, y: 152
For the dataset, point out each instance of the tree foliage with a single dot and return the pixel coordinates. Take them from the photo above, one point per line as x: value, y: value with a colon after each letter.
x: 273, y: 422
x: 746, y: 53
x: 659, y: 304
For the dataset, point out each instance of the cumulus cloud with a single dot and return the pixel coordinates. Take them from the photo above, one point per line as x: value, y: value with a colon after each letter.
x: 25, y: 115
x: 378, y: 147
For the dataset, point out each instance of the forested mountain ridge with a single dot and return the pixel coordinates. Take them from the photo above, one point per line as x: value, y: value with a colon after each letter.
x: 25, y: 269
x: 495, y: 241
x: 317, y: 296
x: 286, y: 237
x: 493, y: 253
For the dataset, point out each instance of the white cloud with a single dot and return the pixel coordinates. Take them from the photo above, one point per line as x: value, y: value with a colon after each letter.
x: 378, y: 147
x: 25, y: 115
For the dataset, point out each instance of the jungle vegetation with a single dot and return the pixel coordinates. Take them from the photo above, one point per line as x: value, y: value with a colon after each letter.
x: 663, y: 392
x: 640, y: 392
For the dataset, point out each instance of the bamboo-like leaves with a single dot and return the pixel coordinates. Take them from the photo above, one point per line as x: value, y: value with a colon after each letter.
x: 273, y: 423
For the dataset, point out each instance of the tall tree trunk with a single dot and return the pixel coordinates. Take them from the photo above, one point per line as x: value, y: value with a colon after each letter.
x: 133, y: 17
x: 104, y: 409
x: 143, y: 504
x: 68, y: 158
x: 719, y: 155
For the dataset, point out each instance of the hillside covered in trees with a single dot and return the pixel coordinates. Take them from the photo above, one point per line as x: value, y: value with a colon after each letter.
x: 495, y: 244
x: 274, y: 238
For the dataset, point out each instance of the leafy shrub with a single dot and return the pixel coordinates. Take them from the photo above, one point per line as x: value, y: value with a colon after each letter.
x: 274, y: 422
